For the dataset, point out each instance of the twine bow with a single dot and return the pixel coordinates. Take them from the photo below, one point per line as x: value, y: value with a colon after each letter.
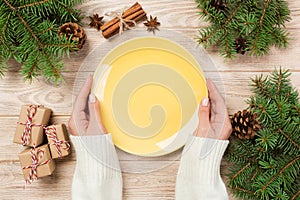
x: 36, y: 155
x: 51, y: 133
x: 123, y: 22
x: 31, y: 111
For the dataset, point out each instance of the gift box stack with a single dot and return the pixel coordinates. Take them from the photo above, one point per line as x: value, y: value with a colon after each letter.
x: 37, y: 160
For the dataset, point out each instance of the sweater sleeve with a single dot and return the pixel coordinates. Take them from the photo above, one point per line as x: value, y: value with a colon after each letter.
x: 199, y: 176
x: 97, y: 173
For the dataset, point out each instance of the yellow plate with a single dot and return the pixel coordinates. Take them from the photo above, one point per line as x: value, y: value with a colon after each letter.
x: 149, y: 89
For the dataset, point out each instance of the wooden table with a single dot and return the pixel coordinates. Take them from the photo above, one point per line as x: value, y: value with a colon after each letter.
x: 181, y: 16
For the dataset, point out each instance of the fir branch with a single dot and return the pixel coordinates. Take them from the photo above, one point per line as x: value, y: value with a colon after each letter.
x: 241, y: 170
x: 31, y: 31
x: 288, y: 138
x: 224, y: 24
x: 44, y: 31
x: 297, y: 110
x: 278, y: 13
x: 5, y: 27
x: 264, y: 12
x: 10, y: 6
x: 70, y: 11
x: 259, y: 23
x: 41, y: 46
x: 33, y: 4
x: 30, y: 74
x: 243, y: 190
x: 28, y: 33
x: 296, y: 195
x: 255, y: 174
x: 279, y: 81
x: 276, y: 146
x: 280, y: 172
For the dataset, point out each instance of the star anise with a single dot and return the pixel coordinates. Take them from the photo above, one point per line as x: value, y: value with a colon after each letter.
x: 96, y: 21
x: 152, y: 24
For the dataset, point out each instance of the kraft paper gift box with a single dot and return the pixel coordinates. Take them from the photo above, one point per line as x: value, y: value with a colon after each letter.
x: 32, y: 120
x: 36, y: 161
x: 58, y: 140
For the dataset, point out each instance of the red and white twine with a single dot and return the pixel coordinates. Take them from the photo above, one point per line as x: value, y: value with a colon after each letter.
x: 52, y: 135
x: 36, y: 155
x: 26, y: 135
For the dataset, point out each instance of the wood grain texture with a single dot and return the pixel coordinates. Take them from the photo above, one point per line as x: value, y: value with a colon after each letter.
x: 231, y: 76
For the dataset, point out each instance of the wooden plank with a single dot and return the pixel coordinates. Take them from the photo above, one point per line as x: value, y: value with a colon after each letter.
x: 179, y: 14
x: 158, y: 184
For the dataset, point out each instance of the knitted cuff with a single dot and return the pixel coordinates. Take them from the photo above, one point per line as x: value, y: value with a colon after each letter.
x: 202, y: 157
x: 94, y: 153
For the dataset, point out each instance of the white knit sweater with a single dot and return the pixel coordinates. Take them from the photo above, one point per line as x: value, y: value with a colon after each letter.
x: 98, y: 175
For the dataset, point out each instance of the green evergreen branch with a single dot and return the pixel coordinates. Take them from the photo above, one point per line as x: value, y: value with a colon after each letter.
x: 255, y: 174
x: 70, y: 11
x: 30, y: 74
x: 30, y: 31
x: 255, y: 26
x: 243, y: 190
x: 296, y: 195
x: 224, y: 24
x: 41, y: 46
x: 5, y: 27
x: 260, y: 24
x: 9, y: 5
x: 268, y: 165
x: 59, y: 45
x: 44, y: 31
x: 33, y: 4
x: 264, y: 12
x: 280, y: 172
x: 241, y: 170
x: 288, y: 138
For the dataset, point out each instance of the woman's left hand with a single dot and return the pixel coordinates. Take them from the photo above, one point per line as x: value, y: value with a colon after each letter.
x: 82, y: 122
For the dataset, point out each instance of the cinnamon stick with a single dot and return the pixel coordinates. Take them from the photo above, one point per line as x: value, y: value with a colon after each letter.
x: 125, y: 14
x: 112, y: 27
x: 108, y: 34
x: 132, y: 9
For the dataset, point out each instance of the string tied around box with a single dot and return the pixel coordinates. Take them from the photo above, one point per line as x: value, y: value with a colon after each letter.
x: 26, y: 135
x: 36, y: 156
x: 51, y: 133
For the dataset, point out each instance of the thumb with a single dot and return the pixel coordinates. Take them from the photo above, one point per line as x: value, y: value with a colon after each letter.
x: 204, y: 122
x: 95, y: 123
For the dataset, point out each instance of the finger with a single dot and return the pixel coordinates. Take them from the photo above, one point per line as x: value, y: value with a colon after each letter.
x: 75, y: 129
x: 220, y: 122
x: 95, y: 125
x: 217, y: 101
x: 79, y: 119
x: 204, y: 122
x: 80, y: 103
x: 214, y: 93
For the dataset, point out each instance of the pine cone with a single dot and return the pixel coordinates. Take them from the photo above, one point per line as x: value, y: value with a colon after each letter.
x: 218, y: 4
x: 73, y: 30
x: 241, y: 45
x: 245, y: 125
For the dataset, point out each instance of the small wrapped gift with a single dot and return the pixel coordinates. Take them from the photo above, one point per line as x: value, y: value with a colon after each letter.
x: 58, y: 140
x: 32, y: 120
x: 36, y: 162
